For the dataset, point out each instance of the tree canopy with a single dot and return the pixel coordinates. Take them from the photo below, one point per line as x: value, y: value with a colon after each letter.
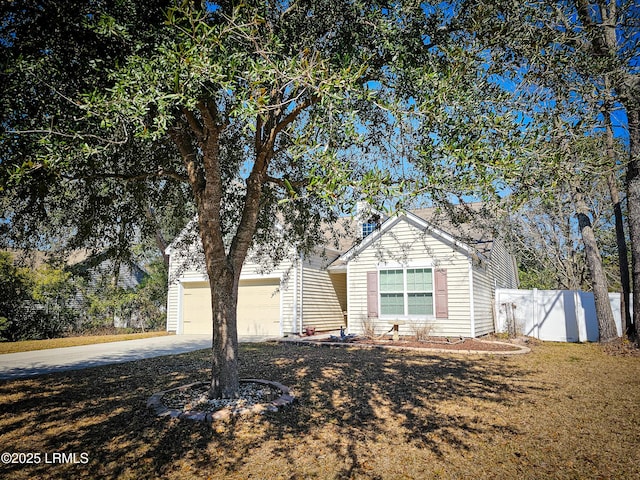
x: 288, y: 110
x: 119, y: 117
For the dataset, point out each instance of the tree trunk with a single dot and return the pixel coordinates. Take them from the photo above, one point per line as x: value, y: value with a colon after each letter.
x: 621, y: 240
x: 161, y: 243
x: 605, y: 43
x: 225, y: 381
x: 223, y: 283
x: 606, y: 323
x: 223, y: 264
x: 633, y: 205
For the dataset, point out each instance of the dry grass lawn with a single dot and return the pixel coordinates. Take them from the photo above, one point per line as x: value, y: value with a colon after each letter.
x: 564, y: 411
x: 29, y: 345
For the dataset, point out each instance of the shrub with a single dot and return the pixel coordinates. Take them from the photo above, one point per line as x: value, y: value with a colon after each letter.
x: 422, y: 330
x: 368, y: 327
x: 15, y: 293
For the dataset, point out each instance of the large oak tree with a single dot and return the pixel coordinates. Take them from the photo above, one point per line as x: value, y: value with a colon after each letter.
x: 265, y: 110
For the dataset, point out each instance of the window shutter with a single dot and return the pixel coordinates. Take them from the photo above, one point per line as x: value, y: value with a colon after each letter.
x: 442, y: 294
x: 372, y: 294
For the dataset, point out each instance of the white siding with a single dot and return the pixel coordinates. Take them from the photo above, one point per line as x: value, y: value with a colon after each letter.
x: 503, y: 266
x: 499, y: 272
x: 406, y: 244
x: 180, y: 270
x: 482, y: 300
x: 195, y: 271
x: 320, y: 303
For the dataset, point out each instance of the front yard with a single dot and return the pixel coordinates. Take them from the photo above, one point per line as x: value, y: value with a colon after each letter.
x: 562, y: 411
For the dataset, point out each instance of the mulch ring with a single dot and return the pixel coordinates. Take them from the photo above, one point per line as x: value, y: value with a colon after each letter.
x: 453, y: 344
x: 191, y: 402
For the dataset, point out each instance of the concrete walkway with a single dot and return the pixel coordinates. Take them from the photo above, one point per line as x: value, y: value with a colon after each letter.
x: 37, y: 362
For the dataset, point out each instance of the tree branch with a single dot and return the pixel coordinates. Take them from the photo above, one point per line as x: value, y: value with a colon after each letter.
x: 78, y: 136
x: 161, y: 173
x: 210, y: 116
x: 294, y: 114
x: 193, y: 123
x: 188, y: 154
x: 286, y: 183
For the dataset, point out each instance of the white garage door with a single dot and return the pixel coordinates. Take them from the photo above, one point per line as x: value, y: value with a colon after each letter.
x: 258, y: 308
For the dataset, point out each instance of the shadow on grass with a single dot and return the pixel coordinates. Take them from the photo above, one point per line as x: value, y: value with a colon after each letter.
x: 346, y: 398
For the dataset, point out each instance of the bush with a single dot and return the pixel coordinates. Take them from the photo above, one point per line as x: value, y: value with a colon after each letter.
x: 15, y: 293
x: 34, y: 304
x: 106, y: 305
x: 422, y: 330
x: 51, y: 302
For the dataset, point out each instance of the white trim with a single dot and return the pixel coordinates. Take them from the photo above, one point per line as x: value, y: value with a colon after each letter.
x: 386, y: 225
x: 180, y: 325
x: 472, y: 307
x: 194, y: 279
x: 419, y: 223
x: 257, y: 276
x: 415, y: 264
x: 281, y: 321
x: 405, y: 293
x: 348, y: 300
x: 181, y: 235
x: 295, y: 295
x: 301, y: 292
x: 253, y: 276
x: 392, y: 264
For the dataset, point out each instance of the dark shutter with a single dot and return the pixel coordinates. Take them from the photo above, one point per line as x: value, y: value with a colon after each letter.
x: 442, y: 294
x: 372, y: 294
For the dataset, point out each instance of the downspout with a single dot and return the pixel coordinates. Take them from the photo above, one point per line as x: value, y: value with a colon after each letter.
x: 472, y: 316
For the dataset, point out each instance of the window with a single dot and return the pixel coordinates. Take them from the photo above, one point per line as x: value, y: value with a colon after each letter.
x: 371, y: 225
x: 392, y: 292
x: 406, y: 291
x: 368, y: 228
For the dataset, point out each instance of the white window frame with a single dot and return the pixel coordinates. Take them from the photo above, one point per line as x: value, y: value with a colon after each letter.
x: 405, y: 292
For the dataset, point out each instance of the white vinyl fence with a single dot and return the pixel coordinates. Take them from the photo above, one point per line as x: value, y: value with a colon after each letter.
x: 554, y: 315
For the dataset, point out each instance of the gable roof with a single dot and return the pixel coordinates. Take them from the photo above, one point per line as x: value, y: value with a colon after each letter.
x: 461, y: 226
x: 469, y: 224
x: 467, y: 237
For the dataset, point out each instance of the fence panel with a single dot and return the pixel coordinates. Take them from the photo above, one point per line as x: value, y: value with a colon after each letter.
x: 554, y: 315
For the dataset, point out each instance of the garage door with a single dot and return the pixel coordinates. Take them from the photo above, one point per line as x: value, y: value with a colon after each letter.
x: 258, y: 308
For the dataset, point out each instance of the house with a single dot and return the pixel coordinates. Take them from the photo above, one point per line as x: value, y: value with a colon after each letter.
x: 414, y: 270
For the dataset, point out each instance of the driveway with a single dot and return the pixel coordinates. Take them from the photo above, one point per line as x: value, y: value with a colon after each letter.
x: 37, y: 362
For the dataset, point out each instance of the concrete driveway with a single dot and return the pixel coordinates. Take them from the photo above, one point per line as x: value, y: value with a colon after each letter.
x: 26, y: 364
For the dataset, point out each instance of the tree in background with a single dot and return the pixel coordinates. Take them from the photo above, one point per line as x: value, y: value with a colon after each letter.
x: 106, y: 304
x: 15, y: 287
x: 558, y: 53
x: 35, y: 303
